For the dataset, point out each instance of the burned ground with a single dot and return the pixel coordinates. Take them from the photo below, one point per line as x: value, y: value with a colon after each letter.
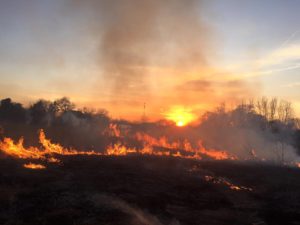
x: 148, y: 190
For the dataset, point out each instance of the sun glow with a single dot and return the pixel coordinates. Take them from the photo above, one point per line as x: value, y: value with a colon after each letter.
x: 180, y: 123
x: 180, y: 115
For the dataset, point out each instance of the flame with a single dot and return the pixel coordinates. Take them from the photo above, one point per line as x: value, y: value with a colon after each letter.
x: 215, y: 154
x: 224, y: 181
x: 148, y: 145
x: 119, y: 149
x: 186, y: 146
x: 18, y: 150
x: 113, y: 130
x: 34, y: 166
x: 47, y: 152
x: 161, y: 146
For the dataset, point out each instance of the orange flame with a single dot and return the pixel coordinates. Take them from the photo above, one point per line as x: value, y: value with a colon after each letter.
x: 151, y: 146
x: 47, y: 152
x: 34, y: 166
x: 113, y: 130
x: 18, y: 150
x: 222, y: 180
x: 186, y: 146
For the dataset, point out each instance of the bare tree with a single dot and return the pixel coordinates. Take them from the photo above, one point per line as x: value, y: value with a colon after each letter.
x: 273, y: 109
x: 285, y: 111
x: 62, y: 105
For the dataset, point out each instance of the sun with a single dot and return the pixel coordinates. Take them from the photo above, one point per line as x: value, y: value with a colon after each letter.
x: 180, y: 116
x: 180, y: 123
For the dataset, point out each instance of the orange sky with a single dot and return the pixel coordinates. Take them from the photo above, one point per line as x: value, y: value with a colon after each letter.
x: 171, y: 55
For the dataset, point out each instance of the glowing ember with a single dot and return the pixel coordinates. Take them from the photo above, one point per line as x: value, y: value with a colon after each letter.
x: 222, y: 180
x: 34, y: 166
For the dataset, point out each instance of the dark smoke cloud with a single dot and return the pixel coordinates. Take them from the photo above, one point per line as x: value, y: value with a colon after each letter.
x: 212, y: 86
x: 137, y: 36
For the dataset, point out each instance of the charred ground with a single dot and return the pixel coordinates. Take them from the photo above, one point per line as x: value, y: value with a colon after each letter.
x: 147, y: 190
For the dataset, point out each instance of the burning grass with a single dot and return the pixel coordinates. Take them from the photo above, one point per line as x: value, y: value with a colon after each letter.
x: 224, y: 181
x: 34, y: 166
x: 49, y: 151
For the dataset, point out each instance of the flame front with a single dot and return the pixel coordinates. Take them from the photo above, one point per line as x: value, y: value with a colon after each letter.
x: 18, y: 150
x: 49, y: 151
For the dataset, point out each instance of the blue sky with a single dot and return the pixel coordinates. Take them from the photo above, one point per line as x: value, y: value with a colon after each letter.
x: 47, y: 50
x: 266, y: 30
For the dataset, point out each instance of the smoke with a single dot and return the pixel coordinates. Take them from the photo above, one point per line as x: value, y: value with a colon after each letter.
x: 139, y: 40
x: 249, y: 135
x: 159, y: 52
x: 119, y: 54
x: 138, y: 216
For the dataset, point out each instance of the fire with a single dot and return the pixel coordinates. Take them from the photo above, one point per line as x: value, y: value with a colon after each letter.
x: 180, y: 115
x: 119, y: 149
x: 215, y: 154
x: 113, y: 130
x: 18, y: 150
x: 172, y: 147
x: 161, y: 146
x: 47, y: 152
x: 224, y: 181
x: 34, y: 166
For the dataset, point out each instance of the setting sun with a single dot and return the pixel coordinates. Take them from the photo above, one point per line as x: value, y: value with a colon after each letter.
x: 180, y: 115
x: 180, y: 123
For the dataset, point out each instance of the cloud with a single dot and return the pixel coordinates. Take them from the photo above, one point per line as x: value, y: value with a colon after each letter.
x: 284, y: 58
x: 196, y: 85
x: 288, y: 54
x: 212, y: 87
x: 292, y: 85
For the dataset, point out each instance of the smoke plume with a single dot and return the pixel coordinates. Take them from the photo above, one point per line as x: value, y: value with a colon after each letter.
x: 138, y: 40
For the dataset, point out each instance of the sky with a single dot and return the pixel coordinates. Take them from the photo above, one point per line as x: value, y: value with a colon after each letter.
x: 171, y: 55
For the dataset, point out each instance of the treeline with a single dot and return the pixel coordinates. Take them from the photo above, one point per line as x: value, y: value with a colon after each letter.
x: 44, y: 112
x: 265, y: 128
x: 273, y: 110
x: 80, y: 128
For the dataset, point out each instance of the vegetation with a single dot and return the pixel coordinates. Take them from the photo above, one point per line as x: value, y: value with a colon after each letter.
x: 266, y: 127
